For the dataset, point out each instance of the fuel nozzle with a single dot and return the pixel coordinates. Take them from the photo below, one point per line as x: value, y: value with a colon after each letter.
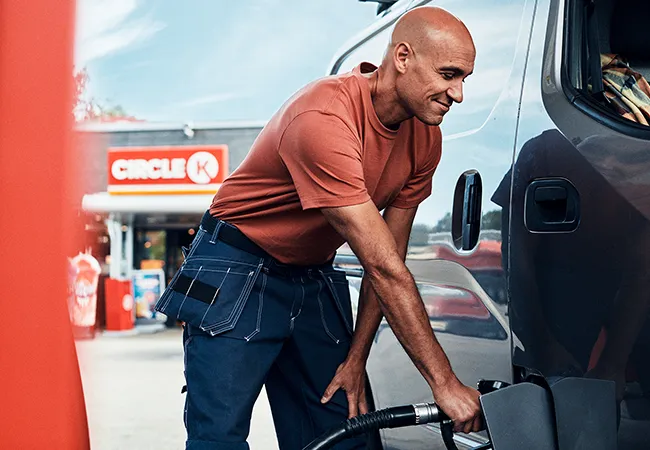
x: 487, y: 386
x: 399, y: 416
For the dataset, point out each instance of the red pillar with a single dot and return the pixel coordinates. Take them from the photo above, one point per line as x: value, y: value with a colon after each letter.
x: 41, y: 398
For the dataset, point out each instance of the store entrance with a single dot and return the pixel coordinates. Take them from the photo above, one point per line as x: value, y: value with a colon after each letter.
x: 161, y: 249
x: 157, y: 253
x: 176, y: 239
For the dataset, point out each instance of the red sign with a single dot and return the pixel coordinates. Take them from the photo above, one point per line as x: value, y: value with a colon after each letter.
x: 198, y: 169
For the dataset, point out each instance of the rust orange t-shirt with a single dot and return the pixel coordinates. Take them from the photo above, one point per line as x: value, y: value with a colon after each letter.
x: 325, y: 148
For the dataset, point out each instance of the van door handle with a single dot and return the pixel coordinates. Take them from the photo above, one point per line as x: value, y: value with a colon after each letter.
x: 466, y: 215
x: 550, y: 194
x: 552, y: 205
x: 471, y: 213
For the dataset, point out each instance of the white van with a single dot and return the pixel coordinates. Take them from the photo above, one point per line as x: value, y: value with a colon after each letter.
x: 533, y: 252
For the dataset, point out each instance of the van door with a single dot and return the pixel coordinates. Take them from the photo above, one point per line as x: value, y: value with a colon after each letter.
x: 579, y: 273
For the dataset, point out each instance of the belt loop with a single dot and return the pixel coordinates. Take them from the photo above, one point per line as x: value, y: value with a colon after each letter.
x: 215, y: 233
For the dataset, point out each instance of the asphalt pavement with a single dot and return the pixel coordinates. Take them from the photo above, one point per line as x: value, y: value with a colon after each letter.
x: 132, y: 385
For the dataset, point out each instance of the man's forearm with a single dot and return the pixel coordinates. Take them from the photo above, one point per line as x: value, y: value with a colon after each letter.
x: 369, y: 314
x: 369, y: 317
x: 402, y: 305
x: 381, y: 254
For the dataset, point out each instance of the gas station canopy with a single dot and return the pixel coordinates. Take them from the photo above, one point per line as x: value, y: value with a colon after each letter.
x: 103, y: 202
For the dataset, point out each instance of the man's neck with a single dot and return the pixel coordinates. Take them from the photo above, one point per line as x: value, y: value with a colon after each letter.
x: 385, y: 101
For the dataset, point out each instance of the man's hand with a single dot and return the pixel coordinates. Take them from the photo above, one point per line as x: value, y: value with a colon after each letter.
x: 350, y: 377
x: 461, y: 404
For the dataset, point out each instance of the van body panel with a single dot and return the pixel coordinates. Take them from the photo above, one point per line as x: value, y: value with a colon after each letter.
x: 579, y: 301
x: 524, y: 304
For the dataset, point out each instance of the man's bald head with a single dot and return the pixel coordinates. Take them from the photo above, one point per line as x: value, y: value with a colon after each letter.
x: 429, y: 55
x: 426, y: 26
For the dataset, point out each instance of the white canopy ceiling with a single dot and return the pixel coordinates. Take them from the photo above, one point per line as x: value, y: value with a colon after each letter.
x: 103, y: 202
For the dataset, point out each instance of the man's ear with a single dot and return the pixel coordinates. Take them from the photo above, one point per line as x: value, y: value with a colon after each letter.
x: 402, y: 55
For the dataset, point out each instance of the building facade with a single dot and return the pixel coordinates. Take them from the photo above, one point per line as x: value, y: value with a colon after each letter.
x: 146, y: 186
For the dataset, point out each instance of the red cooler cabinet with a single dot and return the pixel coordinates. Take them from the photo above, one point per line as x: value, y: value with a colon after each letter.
x: 119, y: 304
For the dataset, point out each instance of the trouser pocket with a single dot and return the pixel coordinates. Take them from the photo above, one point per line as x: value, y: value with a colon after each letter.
x: 336, y: 285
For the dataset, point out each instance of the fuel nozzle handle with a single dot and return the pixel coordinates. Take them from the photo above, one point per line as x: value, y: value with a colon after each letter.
x: 429, y: 413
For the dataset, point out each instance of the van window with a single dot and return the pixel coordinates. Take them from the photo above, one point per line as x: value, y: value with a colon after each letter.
x: 495, y: 41
x: 371, y: 50
x: 607, y: 59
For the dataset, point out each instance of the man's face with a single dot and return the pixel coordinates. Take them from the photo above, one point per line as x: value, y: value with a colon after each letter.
x: 434, y: 78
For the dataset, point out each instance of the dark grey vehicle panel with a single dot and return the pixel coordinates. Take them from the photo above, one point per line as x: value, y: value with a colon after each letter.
x: 580, y: 300
x: 556, y: 302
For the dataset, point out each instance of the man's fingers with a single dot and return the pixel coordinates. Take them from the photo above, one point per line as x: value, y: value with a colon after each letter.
x: 478, y: 424
x: 331, y: 390
x: 475, y: 425
x: 352, y: 404
x: 463, y: 427
x: 363, y: 404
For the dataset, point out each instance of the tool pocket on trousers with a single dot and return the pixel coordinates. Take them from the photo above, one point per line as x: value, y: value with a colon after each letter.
x: 212, y: 297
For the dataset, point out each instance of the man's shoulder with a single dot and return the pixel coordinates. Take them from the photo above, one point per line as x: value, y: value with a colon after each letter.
x: 332, y: 95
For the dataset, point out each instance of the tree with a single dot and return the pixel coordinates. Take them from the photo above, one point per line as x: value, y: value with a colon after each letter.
x: 88, y: 108
x: 82, y: 108
x: 80, y: 82
x: 491, y: 220
x: 443, y: 224
x: 419, y: 234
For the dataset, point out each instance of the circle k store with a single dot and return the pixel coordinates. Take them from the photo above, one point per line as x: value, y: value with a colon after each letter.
x: 146, y: 188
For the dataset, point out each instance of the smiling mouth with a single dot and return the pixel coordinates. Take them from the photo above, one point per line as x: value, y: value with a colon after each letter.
x: 444, y: 105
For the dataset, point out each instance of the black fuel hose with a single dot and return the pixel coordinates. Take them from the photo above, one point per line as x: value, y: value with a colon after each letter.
x: 398, y: 416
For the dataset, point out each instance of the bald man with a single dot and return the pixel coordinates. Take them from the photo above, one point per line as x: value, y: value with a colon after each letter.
x: 261, y: 302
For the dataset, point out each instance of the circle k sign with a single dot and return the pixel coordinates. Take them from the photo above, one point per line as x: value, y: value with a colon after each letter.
x: 172, y: 169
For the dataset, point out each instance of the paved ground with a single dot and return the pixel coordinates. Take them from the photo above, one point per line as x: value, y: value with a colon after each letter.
x: 132, y: 387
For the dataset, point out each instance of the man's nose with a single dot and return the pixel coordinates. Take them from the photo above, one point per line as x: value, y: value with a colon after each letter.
x: 456, y: 92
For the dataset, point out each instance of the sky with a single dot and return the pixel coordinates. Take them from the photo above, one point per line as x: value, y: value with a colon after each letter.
x: 232, y: 60
x: 209, y: 60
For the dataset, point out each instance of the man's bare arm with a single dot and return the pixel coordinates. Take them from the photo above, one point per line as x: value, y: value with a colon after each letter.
x: 371, y: 240
x: 399, y: 223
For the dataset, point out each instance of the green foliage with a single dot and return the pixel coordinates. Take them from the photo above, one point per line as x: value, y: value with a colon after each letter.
x: 87, y: 108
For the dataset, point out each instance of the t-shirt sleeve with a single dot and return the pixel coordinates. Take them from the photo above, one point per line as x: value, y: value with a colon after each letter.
x: 419, y: 186
x: 323, y: 157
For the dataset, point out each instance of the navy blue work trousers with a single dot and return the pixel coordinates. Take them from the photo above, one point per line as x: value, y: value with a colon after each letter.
x: 250, y: 321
